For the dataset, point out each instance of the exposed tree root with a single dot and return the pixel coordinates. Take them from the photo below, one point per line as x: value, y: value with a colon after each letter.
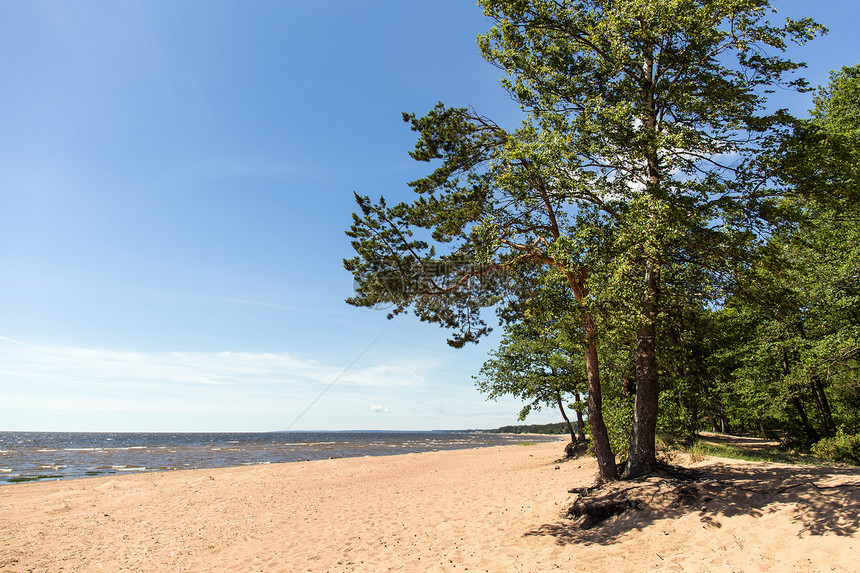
x: 593, y: 513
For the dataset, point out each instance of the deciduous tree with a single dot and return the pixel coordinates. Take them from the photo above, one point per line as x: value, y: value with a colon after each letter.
x: 662, y: 108
x: 640, y: 151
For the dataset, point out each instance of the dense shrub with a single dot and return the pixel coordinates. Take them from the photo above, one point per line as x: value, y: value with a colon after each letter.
x: 842, y: 447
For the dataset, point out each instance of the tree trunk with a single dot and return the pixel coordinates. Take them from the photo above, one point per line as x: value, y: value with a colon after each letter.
x: 811, y: 435
x: 578, y: 444
x: 580, y: 424
x: 823, y: 406
x: 607, y: 471
x: 796, y: 401
x: 566, y: 420
x: 642, y: 455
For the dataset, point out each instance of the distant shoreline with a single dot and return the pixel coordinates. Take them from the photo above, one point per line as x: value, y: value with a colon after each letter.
x: 26, y: 457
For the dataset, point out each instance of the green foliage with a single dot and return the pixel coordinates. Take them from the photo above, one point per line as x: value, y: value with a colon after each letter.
x: 794, y: 359
x: 646, y: 176
x: 551, y: 429
x: 843, y: 447
x: 672, y: 140
x: 540, y: 358
x: 617, y: 371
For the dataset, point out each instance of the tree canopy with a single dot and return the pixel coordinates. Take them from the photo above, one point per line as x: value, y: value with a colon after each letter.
x: 641, y: 177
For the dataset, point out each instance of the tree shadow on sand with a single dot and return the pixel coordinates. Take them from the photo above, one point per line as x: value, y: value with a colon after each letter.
x: 824, y: 500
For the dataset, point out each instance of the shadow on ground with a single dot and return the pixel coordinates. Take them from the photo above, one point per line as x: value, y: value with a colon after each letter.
x: 824, y: 500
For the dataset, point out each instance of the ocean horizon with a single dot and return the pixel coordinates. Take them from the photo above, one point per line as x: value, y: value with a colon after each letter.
x: 37, y: 456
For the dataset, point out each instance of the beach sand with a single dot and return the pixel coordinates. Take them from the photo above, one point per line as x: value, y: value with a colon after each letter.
x: 490, y: 509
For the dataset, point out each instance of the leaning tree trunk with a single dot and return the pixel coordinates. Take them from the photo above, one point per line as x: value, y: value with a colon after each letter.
x: 566, y: 419
x: 607, y: 471
x: 811, y: 434
x: 823, y: 405
x: 599, y: 435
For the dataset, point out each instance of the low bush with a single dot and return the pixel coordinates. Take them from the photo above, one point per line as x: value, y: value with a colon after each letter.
x: 842, y: 447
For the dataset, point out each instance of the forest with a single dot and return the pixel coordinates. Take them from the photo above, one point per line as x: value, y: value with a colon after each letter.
x: 551, y: 429
x: 665, y: 250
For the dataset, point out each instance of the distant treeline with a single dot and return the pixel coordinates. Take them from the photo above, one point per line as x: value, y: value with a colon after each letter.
x: 559, y: 428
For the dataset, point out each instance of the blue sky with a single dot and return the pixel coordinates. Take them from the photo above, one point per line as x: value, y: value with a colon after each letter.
x: 170, y: 264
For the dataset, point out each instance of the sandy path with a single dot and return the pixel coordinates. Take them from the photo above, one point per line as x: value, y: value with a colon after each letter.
x: 490, y: 509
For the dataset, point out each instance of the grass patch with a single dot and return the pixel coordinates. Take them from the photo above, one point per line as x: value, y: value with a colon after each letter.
x: 702, y: 448
x: 526, y: 444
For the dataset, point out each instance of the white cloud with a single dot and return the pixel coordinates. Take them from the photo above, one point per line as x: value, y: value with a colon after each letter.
x: 27, y: 365
x: 72, y: 388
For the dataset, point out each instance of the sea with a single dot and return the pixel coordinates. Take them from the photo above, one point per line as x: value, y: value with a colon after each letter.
x: 36, y: 456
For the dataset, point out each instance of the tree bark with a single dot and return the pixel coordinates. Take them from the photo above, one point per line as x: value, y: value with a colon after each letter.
x: 566, y: 420
x: 607, y: 471
x: 599, y: 435
x: 796, y: 401
x: 823, y: 406
x: 580, y: 424
x: 642, y: 454
x: 811, y: 435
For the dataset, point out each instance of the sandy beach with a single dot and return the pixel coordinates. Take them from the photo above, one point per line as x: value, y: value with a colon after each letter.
x: 490, y: 509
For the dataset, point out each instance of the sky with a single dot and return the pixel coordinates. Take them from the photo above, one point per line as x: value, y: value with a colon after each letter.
x: 175, y: 183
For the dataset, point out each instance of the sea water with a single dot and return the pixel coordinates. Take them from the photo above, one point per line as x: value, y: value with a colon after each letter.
x: 30, y: 456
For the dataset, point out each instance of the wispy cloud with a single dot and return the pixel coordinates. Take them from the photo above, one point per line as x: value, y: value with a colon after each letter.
x: 93, y: 367
x: 101, y: 389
